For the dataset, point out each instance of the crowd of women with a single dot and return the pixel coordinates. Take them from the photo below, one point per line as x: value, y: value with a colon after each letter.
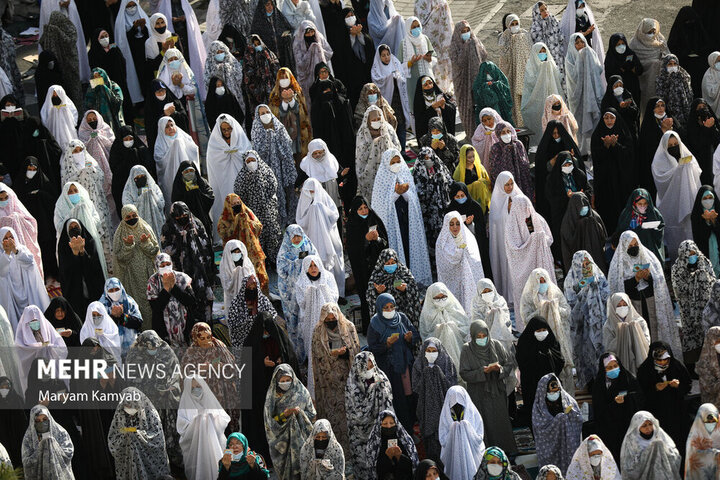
x: 489, y: 293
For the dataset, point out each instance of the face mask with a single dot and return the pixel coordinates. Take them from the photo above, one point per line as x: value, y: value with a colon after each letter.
x: 692, y: 259
x: 543, y: 287
x: 165, y: 269
x: 659, y: 116
x: 140, y: 182
x: 618, y: 91
x: 266, y: 118
x: 130, y: 411
x: 284, y: 386
x: 131, y: 11
x: 236, y: 457
x: 506, y: 137
x: 74, y: 198
x: 431, y: 357
x: 672, y: 69
x: 372, y: 98
x: 553, y: 396
x: 55, y: 100
x: 161, y: 97
x: 128, y: 143
x: 132, y: 222
x: 219, y: 57
x: 220, y: 91
x: 34, y: 325
x: 621, y: 49
x: 115, y: 296
x: 363, y: 216
x: 595, y: 460
x: 515, y: 29
x: 284, y: 82
x: 710, y: 426
x: 36, y: 133
x: 465, y: 36
x: 542, y: 56
x: 269, y: 14
x: 104, y: 42
x: 311, y: 277
x: 321, y: 444
x: 415, y: 32
x: 93, y: 124
x: 152, y: 351
x: 253, y: 166
x: 708, y: 203
x: 350, y: 21
x: 376, y: 124
x: 613, y: 374
x: 580, y: 12
x: 481, y: 341
x: 182, y: 221
x: 161, y: 30
x: 196, y: 392
x: 541, y: 336
x: 331, y: 325
x: 661, y: 368
x: 395, y: 167
x: 437, y: 136
x: 299, y: 244
x: 175, y: 64
x: 236, y: 257
x: 623, y: 311
x: 389, y: 315
x: 567, y: 170
x: 494, y: 470
x: 487, y: 296
x: 389, y: 432
x: 584, y: 211
x: 4, y: 392
x: 390, y: 268
x: 461, y: 200
x: 42, y: 427
x: 258, y: 48
x: 633, y: 251
x: 368, y: 374
x: 79, y: 159
x: 674, y: 151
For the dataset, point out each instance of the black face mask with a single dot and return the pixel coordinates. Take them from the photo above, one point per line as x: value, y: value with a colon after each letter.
x: 331, y: 325
x: 674, y: 151
x: 55, y: 100
x: 633, y: 251
x: 160, y: 30
x: 237, y: 208
x: 557, y: 107
x: 309, y: 40
x: 93, y: 124
x: 388, y: 432
x: 74, y: 232
x: 251, y: 294
x: 182, y: 221
x: 313, y: 277
x: 132, y: 222
x: 457, y: 412
x: 321, y: 444
x: 645, y: 436
x: 140, y: 182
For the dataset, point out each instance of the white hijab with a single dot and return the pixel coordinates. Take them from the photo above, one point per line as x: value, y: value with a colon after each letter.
x: 466, y: 435
x: 444, y: 319
x: 711, y: 82
x: 232, y: 275
x: 197, y: 50
x: 171, y: 152
x: 324, y: 168
x: 60, y: 119
x: 151, y: 44
x: 385, y: 76
x: 542, y: 78
x: 123, y: 22
x: 106, y: 332
x: 567, y: 27
x: 149, y: 201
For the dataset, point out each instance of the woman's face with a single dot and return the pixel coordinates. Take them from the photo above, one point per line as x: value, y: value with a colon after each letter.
x: 363, y: 210
x: 465, y: 29
x: 428, y: 84
x: 494, y: 461
x: 324, y: 73
x: 170, y: 128
x: 620, y: 42
x: 309, y: 32
x: 236, y: 446
x: 659, y: 108
x: 91, y: 117
x: 634, y: 241
x: 388, y: 422
x: 296, y: 239
x: 226, y: 130
x: 647, y: 427
x: 550, y: 475
x: 506, y: 131
x: 77, y: 149
x: 322, y: 436
x: 640, y: 203
x: 263, y: 110
x: 282, y: 74
x: 219, y: 83
x: 160, y: 94
x: 555, y: 133
x: 385, y: 57
x: 508, y: 187
x: 618, y: 84
x: 318, y: 154
x: 72, y: 189
x: 488, y: 121
x: 390, y: 261
x: 204, y: 339
x: 579, y: 44
x: 455, y: 226
x: 543, y: 10
x: 543, y: 50
x: 622, y: 303
x: 470, y: 156
x: 285, y: 378
x: 673, y: 141
x: 59, y: 314
x: 394, y: 160
x: 269, y: 7
x: 159, y: 23
x: 514, y: 23
x: 672, y: 63
x: 609, y: 120
x: 415, y: 24
x: 389, y: 307
x: 130, y: 216
x: 611, y: 365
x: 435, y: 131
x: 313, y: 270
x: 459, y: 195
x: 373, y: 116
x: 431, y: 349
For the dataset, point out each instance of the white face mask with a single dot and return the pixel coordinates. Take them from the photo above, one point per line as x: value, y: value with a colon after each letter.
x: 389, y: 315
x: 220, y: 91
x: 623, y: 311
x: 79, y: 159
x: 284, y: 386
x: 252, y: 166
x: 488, y: 129
x: 368, y: 374
x: 266, y: 118
x: 487, y: 296
x: 115, y: 296
x: 506, y: 137
x: 431, y: 356
x: 580, y: 12
x: 164, y: 270
x: 31, y: 174
x: 376, y: 124
x: 650, y: 35
x: 621, y: 49
x: 395, y: 167
x: 350, y: 21
x: 161, y: 97
x: 707, y: 203
x: 672, y: 69
x: 515, y: 29
x: 130, y: 411
x: 104, y: 42
x: 540, y: 336
x: 494, y: 469
x: 710, y: 427
x: 4, y: 392
x: 567, y: 170
x: 284, y: 82
x: 717, y: 348
x: 128, y: 143
x: 618, y: 91
x: 595, y: 460
x: 659, y: 116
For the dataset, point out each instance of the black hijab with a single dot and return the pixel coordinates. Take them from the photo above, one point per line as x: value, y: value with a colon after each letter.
x: 44, y: 148
x: 691, y: 43
x: 648, y: 141
x: 701, y: 230
x: 198, y: 200
x: 362, y: 253
x: 582, y: 232
x: 423, y: 467
x: 547, y: 149
x: 122, y: 159
x: 701, y: 140
x: 354, y: 60
x: 13, y: 419
x: 472, y: 207
x: 70, y: 322
x: 237, y: 41
x: 154, y: 110
x: 11, y: 133
x: 112, y: 61
x: 626, y: 64
x: 215, y: 105
x: 424, y: 113
x: 48, y: 73
x: 650, y: 238
x: 631, y: 113
x: 270, y: 28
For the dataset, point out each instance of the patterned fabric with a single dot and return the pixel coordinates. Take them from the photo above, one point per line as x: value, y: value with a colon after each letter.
x: 432, y: 181
x: 445, y: 319
x: 296, y: 117
x: 51, y: 457
x: 564, y: 115
x: 628, y: 337
x: 107, y: 99
x: 260, y: 70
x: 365, y: 398
x: 510, y: 157
x: 507, y: 473
x: 557, y: 435
x: 331, y: 463
x: 307, y: 57
x: 580, y: 467
x: 239, y: 318
x: 19, y: 218
x: 98, y: 142
x: 130, y: 308
x: 236, y: 13
x: 9, y: 64
x: 708, y: 368
x: 587, y: 292
x: 491, y: 89
x: 148, y: 200
x: 700, y: 455
x: 230, y: 70
x: 405, y: 441
x: 437, y: 22
x: 656, y: 458
x: 175, y: 315
x: 547, y: 30
x: 711, y: 313
x: 542, y: 79
x: 675, y: 89
x: 369, y: 150
x: 514, y: 53
x: 408, y: 301
x: 466, y: 57
x: 461, y: 433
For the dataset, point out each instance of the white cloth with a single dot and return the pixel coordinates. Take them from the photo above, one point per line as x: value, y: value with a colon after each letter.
x: 711, y: 82
x: 6, y: 86
x: 295, y: 14
x: 649, y: 50
x: 542, y: 78
x: 106, y: 332
x: 28, y: 348
x: 462, y: 441
x: 213, y: 23
x: 171, y: 152
x: 20, y: 281
x: 123, y: 22
x: 677, y: 184
x: 483, y: 139
x: 387, y: 28
x: 458, y: 261
x: 49, y: 6
x: 629, y: 337
x: 154, y: 38
x: 580, y: 467
x: 445, y: 320
x: 231, y: 275
x: 149, y: 200
x: 201, y: 422
x: 198, y: 52
x: 317, y: 214
x: 567, y: 27
x: 585, y: 89
x: 308, y: 56
x: 385, y: 77
x: 311, y: 295
x: 60, y: 119
x: 17, y: 216
x: 9, y: 362
x: 324, y: 168
x: 383, y: 203
x: 621, y: 268
x: 224, y: 161
x: 190, y: 83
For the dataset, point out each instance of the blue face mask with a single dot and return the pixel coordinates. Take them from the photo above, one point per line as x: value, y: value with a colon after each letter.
x: 461, y: 200
x: 465, y: 36
x: 372, y: 98
x: 258, y: 48
x: 543, y: 287
x: 269, y: 14
x: 692, y: 259
x: 584, y: 211
x: 613, y: 374
x: 299, y: 244
x: 553, y: 396
x: 363, y: 216
x: 390, y: 268
x: 175, y: 64
x: 415, y: 32
x: 152, y: 351
x: 437, y: 136
x: 74, y: 198
x: 542, y: 56
x: 220, y: 57
x: 481, y: 341
x: 4, y: 203
x: 36, y: 133
x: 34, y: 325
